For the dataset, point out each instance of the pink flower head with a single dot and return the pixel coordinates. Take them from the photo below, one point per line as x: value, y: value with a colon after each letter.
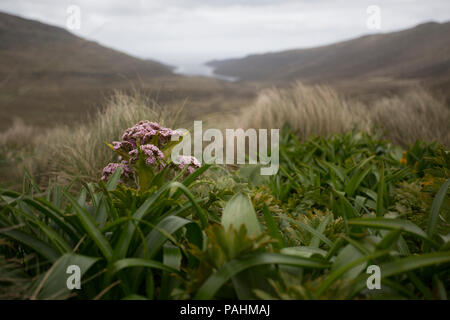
x: 144, y: 130
x: 154, y: 125
x: 117, y: 145
x: 111, y: 168
x: 134, y: 155
x: 191, y: 162
x: 165, y: 134
x: 123, y: 145
x: 152, y: 153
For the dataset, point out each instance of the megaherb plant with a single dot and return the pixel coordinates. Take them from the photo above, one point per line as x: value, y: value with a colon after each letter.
x: 145, y: 155
x: 335, y: 207
x: 111, y: 226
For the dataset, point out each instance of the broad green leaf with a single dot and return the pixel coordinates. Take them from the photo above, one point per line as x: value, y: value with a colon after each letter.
x: 390, y: 224
x: 409, y: 263
x: 414, y: 262
x: 303, y: 251
x: 114, y: 179
x: 335, y: 275
x: 272, y: 228
x: 138, y: 262
x: 53, y: 283
x: 32, y: 242
x: 347, y: 255
x: 336, y: 169
x: 380, y: 193
x: 91, y: 229
x: 435, y: 208
x: 239, y: 211
x: 315, y: 241
x: 356, y: 180
x: 59, y: 242
x: 389, y: 239
x: 172, y: 258
x: 158, y: 236
x: 128, y: 232
x: 48, y: 210
x: 161, y: 233
x: 440, y: 288
x: 52, y: 236
x: 349, y: 210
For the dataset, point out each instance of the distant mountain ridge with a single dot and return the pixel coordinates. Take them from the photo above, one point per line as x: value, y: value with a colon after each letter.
x: 422, y: 52
x: 28, y: 46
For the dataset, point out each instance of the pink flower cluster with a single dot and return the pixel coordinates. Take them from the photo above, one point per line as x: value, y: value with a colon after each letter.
x: 146, y: 139
x: 152, y: 153
x: 191, y: 162
x: 111, y: 167
x: 143, y: 132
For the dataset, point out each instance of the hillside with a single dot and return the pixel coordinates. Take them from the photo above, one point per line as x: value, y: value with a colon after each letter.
x: 49, y: 76
x: 420, y: 54
x: 32, y: 47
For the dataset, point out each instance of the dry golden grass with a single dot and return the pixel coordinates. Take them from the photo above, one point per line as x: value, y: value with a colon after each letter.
x: 17, y: 145
x: 308, y: 111
x: 18, y: 135
x: 67, y: 152
x: 320, y: 111
x: 414, y: 116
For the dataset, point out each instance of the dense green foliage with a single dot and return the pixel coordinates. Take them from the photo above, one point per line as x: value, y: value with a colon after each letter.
x: 335, y: 207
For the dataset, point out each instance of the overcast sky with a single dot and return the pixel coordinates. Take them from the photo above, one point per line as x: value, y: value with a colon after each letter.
x: 183, y: 31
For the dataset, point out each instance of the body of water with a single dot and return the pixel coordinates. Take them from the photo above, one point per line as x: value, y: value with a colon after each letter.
x: 200, y: 69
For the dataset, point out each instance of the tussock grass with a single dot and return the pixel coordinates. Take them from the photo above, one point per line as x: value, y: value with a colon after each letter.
x: 17, y: 145
x: 414, y: 116
x: 18, y: 135
x: 307, y: 110
x: 68, y: 151
x: 320, y: 111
